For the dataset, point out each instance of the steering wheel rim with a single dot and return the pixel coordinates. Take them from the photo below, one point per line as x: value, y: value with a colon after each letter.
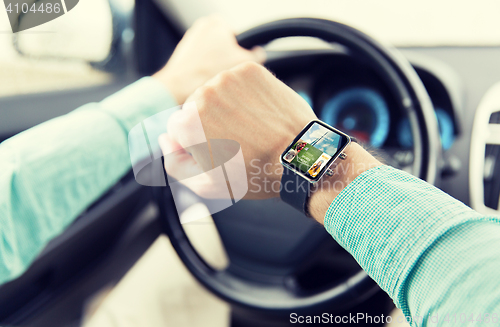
x: 412, y: 97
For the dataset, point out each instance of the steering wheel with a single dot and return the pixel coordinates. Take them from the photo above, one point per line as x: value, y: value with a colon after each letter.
x: 251, y: 291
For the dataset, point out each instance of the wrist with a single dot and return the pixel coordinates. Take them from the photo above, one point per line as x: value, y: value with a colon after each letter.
x: 173, y: 83
x: 358, y: 161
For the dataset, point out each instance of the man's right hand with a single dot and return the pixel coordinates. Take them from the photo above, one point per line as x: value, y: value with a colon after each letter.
x: 208, y: 48
x: 249, y: 105
x: 246, y: 104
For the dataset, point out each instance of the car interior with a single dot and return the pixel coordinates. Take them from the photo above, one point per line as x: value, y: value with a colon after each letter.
x: 432, y: 110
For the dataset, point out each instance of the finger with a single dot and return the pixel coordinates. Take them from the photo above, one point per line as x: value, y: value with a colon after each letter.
x: 259, y: 54
x: 185, y: 126
x: 179, y: 163
x: 167, y: 144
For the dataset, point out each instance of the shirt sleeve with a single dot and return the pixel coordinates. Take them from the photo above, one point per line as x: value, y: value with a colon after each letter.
x: 52, y: 172
x: 437, y: 258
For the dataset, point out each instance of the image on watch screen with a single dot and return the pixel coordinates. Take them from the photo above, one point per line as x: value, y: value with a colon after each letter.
x: 314, y: 150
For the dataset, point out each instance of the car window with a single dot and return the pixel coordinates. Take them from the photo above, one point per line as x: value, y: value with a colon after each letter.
x: 28, y: 73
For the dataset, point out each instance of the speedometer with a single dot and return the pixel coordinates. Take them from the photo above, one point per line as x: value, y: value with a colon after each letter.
x: 446, y: 130
x: 361, y: 112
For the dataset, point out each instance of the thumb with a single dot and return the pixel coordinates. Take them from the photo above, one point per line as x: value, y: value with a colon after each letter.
x: 178, y: 162
x: 167, y: 144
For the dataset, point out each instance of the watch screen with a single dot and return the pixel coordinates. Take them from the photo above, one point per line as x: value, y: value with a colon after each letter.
x: 314, y: 149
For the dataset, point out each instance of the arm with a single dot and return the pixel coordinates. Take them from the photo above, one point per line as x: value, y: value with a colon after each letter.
x: 51, y: 173
x: 435, y: 257
x: 430, y: 252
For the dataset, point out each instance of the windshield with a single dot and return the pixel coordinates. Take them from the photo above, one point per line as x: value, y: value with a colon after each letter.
x: 398, y: 22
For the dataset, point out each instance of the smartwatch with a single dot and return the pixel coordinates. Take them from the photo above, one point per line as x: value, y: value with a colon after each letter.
x: 308, y: 158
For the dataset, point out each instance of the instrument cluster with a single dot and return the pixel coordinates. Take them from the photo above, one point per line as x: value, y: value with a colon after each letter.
x: 349, y: 96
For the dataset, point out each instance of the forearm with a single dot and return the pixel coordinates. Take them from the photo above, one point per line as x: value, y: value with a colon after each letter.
x: 457, y: 278
x: 51, y: 173
x: 399, y: 228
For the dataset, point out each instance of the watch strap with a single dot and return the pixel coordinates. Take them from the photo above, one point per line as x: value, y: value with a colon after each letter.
x: 294, y: 190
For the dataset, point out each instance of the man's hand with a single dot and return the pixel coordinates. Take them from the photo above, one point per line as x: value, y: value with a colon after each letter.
x: 249, y: 105
x: 208, y: 48
x: 246, y: 104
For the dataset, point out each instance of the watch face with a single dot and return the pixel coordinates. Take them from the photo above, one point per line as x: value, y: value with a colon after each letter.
x: 314, y: 149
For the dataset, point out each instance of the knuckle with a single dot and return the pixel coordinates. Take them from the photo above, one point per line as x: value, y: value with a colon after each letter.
x: 207, y: 93
x: 250, y: 68
x: 206, y: 96
x: 225, y: 78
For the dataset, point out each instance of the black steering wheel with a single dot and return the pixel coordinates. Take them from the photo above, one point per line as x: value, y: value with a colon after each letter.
x: 249, y: 290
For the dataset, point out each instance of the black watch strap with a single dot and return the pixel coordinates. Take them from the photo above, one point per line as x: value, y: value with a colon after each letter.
x: 294, y: 190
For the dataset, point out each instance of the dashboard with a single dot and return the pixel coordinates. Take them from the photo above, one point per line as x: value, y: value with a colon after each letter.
x: 351, y: 96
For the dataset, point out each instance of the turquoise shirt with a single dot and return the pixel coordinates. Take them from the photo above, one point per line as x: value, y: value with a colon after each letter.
x: 438, y: 259
x: 51, y: 173
x: 429, y: 252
